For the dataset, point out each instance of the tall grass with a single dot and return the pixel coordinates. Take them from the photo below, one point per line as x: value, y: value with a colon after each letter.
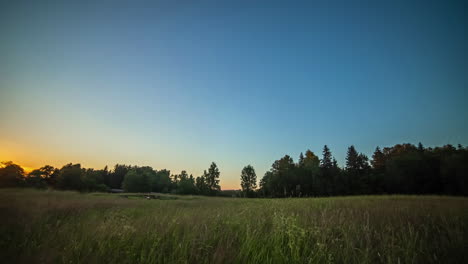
x: 68, y: 227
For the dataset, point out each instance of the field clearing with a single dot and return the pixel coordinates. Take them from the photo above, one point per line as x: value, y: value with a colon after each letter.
x: 69, y: 227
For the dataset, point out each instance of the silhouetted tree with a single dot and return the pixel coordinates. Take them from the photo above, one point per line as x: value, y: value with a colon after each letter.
x: 92, y: 180
x: 266, y: 187
x: 300, y: 162
x: 138, y: 179
x: 161, y: 182
x: 420, y: 147
x: 402, y: 168
x: 212, y: 179
x: 105, y: 174
x: 69, y: 177
x: 11, y: 175
x: 201, y: 185
x: 326, y: 162
x: 306, y: 175
x: 357, y: 172
x: 378, y: 171
x: 248, y: 180
x: 352, y: 157
x: 40, y: 178
x: 186, y: 184
x: 116, y: 177
x: 378, y: 160
x: 327, y: 177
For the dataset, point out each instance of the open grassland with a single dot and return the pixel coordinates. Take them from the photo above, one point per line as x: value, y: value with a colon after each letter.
x: 67, y: 227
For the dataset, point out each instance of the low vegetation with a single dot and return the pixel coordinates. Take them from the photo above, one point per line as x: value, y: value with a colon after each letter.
x: 45, y: 226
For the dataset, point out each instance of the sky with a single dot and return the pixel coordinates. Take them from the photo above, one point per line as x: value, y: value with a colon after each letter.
x: 179, y: 84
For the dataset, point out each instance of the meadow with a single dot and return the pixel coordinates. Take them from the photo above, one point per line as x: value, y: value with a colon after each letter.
x: 70, y: 227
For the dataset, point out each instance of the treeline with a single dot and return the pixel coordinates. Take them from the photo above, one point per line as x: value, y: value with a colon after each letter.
x: 128, y: 178
x: 401, y: 169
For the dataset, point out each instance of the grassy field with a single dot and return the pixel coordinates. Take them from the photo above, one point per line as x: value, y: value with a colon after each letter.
x: 68, y: 227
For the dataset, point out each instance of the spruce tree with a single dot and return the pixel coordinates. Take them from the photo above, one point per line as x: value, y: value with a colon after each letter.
x: 378, y: 160
x: 326, y: 161
x: 352, y: 159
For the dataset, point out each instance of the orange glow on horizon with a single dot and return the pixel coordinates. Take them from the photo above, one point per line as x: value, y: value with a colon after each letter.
x: 27, y: 169
x: 25, y: 156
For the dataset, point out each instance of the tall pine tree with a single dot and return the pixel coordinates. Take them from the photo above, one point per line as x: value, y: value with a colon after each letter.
x: 326, y: 161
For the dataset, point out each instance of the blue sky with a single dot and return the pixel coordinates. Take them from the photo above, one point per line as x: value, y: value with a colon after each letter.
x: 178, y: 84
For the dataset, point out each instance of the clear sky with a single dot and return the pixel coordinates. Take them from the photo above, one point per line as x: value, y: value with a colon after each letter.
x: 178, y: 84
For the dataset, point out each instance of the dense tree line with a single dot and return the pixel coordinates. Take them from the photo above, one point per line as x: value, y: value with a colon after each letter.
x: 401, y: 169
x: 129, y: 178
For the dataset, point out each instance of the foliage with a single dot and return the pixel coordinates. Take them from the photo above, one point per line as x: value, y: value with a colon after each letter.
x: 138, y: 179
x: 117, y: 176
x: 401, y: 169
x: 11, y: 175
x: 248, y: 181
x: 42, y: 177
x: 93, y: 180
x: 69, y: 177
x: 161, y: 182
x: 201, y: 185
x: 212, y: 179
x: 186, y: 184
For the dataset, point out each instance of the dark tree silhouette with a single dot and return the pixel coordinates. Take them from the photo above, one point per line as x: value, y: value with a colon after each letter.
x: 11, y: 175
x: 400, y: 169
x: 117, y: 176
x: 212, y: 179
x: 248, y: 181
x: 326, y: 162
x: 138, y: 179
x: 201, y: 185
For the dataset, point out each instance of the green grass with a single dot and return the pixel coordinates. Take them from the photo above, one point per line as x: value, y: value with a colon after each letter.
x: 68, y: 227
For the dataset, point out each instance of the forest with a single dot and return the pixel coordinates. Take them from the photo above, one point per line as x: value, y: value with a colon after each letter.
x: 400, y: 169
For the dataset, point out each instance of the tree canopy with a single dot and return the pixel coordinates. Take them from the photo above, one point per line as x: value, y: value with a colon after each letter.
x: 248, y: 181
x: 400, y: 169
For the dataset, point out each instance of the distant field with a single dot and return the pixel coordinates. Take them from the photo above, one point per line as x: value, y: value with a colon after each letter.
x: 68, y: 227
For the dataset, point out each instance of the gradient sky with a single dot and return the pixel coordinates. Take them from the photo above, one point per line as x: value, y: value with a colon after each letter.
x: 178, y: 84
